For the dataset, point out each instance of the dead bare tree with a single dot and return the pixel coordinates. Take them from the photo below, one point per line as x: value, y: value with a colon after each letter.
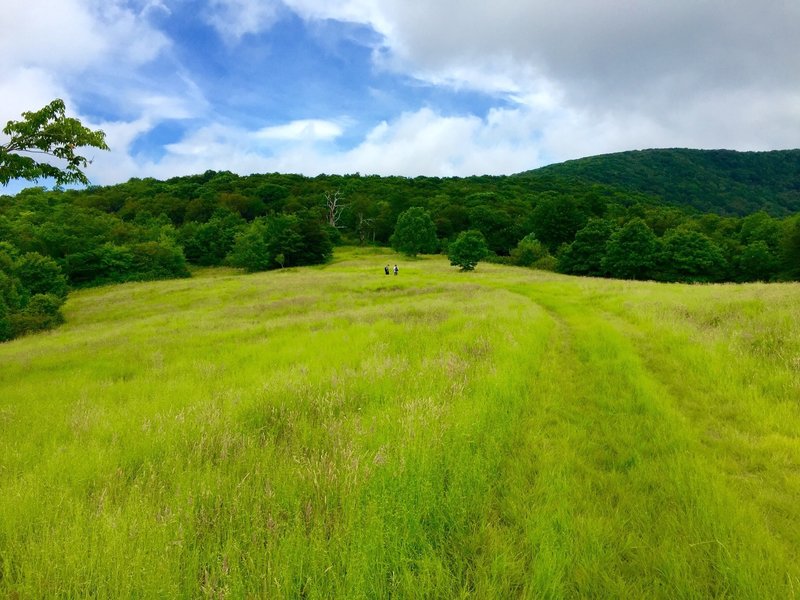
x: 364, y: 226
x: 335, y: 208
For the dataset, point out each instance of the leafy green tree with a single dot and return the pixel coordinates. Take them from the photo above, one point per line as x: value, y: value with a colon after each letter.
x: 790, y: 249
x: 250, y: 250
x: 499, y: 229
x: 528, y: 252
x: 467, y: 250
x: 8, y: 254
x: 107, y: 263
x: 27, y: 301
x: 10, y: 291
x: 756, y: 262
x: 691, y: 256
x: 585, y: 254
x: 316, y: 245
x: 415, y: 232
x: 632, y: 252
x: 248, y: 207
x: 283, y: 236
x: 555, y: 220
x: 209, y: 243
x: 6, y: 327
x: 760, y: 226
x: 278, y: 241
x: 163, y: 259
x: 42, y: 312
x: 201, y: 209
x: 449, y: 216
x: 50, y: 133
x: 40, y: 275
x: 272, y: 195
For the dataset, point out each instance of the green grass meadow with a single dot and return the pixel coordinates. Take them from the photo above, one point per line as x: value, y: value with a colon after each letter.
x: 332, y: 432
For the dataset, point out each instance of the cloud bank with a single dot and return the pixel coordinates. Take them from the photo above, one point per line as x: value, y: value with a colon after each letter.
x: 454, y: 88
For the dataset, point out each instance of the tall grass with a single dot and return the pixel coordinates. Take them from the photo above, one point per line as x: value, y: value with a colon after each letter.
x: 334, y: 432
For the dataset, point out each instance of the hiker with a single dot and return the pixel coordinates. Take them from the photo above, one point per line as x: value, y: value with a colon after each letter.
x: 386, y: 269
x: 396, y: 269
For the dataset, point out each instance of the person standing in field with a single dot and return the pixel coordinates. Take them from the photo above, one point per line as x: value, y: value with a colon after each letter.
x: 386, y: 269
x: 396, y: 269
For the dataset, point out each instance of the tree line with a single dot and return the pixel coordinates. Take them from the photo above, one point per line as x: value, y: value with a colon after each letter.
x: 548, y: 219
x: 149, y: 229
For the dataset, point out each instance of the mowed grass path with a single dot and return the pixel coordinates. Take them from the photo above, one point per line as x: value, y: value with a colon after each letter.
x: 336, y: 433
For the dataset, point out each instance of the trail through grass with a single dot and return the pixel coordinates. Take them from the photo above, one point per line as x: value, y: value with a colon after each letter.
x: 334, y: 432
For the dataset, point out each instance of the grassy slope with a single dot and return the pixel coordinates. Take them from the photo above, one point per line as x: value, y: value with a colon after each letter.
x: 332, y: 432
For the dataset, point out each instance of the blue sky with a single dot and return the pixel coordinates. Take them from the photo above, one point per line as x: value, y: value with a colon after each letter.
x: 402, y: 87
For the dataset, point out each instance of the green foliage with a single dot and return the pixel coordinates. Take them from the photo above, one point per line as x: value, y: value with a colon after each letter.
x: 32, y: 290
x: 50, y: 133
x: 691, y: 256
x: 6, y: 327
x: 500, y: 230
x: 281, y: 241
x: 760, y: 227
x: 584, y: 256
x: 250, y: 250
x: 721, y: 181
x: 790, y: 250
x: 40, y: 275
x: 757, y: 262
x: 209, y: 243
x: 467, y: 250
x: 546, y: 263
x: 632, y: 252
x: 284, y: 236
x: 107, y: 263
x: 157, y: 260
x: 316, y: 246
x: 414, y: 233
x: 528, y: 252
x: 247, y: 207
x: 42, y: 312
x: 555, y: 220
x: 142, y: 261
x: 268, y: 243
x: 91, y: 233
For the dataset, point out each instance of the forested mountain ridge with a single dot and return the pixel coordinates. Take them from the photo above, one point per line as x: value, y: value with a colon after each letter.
x: 725, y: 182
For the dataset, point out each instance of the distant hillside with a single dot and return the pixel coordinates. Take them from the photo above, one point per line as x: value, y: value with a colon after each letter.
x: 721, y: 181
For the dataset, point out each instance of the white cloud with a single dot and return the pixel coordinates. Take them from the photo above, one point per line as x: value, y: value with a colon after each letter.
x: 608, y: 76
x: 39, y: 33
x: 56, y: 49
x: 128, y: 39
x: 417, y: 143
x: 25, y: 89
x: 47, y: 47
x: 301, y: 130
x: 572, y: 78
x: 72, y: 35
x: 236, y: 18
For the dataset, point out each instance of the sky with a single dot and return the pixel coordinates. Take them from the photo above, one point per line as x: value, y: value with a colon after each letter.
x: 401, y: 87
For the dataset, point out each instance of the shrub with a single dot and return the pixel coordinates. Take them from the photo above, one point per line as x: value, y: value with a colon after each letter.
x: 40, y: 275
x: 6, y: 328
x: 250, y: 250
x: 529, y: 250
x: 158, y: 260
x: 43, y: 311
